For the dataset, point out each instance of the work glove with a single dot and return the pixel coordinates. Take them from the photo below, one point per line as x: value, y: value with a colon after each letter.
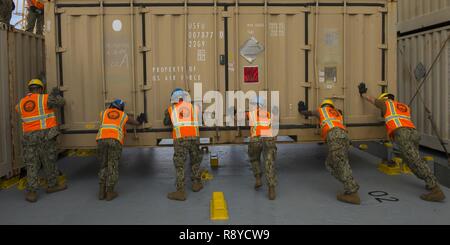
x: 362, y: 88
x: 56, y: 91
x: 302, y: 107
x: 142, y: 118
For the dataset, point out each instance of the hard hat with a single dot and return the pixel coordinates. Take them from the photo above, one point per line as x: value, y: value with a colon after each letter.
x: 176, y: 95
x: 327, y: 102
x: 36, y: 82
x: 258, y: 100
x: 384, y: 95
x: 119, y: 104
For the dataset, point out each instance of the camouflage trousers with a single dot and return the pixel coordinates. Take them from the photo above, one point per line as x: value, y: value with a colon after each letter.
x: 182, y: 148
x: 268, y: 148
x: 337, y: 160
x: 109, y: 152
x: 35, y: 19
x: 5, y: 11
x: 40, y: 152
x: 407, y: 139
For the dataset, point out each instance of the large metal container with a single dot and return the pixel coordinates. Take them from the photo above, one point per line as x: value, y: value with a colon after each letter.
x: 415, y: 14
x: 21, y: 58
x: 141, y: 50
x: 423, y: 48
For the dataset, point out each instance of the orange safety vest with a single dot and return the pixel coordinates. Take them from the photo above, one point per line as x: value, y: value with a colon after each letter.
x: 397, y: 115
x: 330, y: 118
x: 37, y: 4
x: 184, y: 120
x: 113, y: 125
x: 260, y: 126
x: 35, y: 113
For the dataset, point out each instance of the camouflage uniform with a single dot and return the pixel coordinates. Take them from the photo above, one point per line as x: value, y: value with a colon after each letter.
x: 40, y: 147
x: 35, y: 18
x: 268, y: 148
x: 407, y: 139
x: 6, y: 8
x: 109, y: 152
x: 182, y: 148
x: 337, y: 160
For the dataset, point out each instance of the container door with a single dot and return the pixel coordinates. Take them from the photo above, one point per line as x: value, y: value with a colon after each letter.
x: 101, y: 51
x: 5, y: 130
x: 182, y: 48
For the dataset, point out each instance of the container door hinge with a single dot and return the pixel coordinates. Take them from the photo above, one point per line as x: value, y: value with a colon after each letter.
x: 60, y: 50
x: 338, y: 97
x: 306, y: 47
x: 305, y: 85
x: 60, y: 11
x: 383, y: 10
x: 382, y: 83
x: 144, y: 49
x: 145, y: 87
x: 383, y: 46
x: 63, y: 88
x: 144, y: 10
x: 225, y: 14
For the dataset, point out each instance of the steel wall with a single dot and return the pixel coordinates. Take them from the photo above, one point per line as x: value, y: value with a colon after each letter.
x: 413, y: 14
x: 424, y: 48
x: 141, y: 50
x: 21, y: 59
x: 5, y: 130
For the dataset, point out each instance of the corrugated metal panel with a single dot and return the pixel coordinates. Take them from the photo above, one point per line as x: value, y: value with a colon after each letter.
x: 5, y: 130
x: 423, y: 48
x: 142, y: 53
x: 22, y: 60
x: 413, y: 14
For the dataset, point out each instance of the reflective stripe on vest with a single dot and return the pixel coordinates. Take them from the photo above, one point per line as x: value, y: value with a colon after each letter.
x: 256, y: 122
x: 119, y: 128
x: 329, y: 121
x: 395, y: 117
x: 42, y: 116
x: 178, y: 124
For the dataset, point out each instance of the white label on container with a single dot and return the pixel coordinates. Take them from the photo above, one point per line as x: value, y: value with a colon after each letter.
x: 321, y: 76
x: 48, y: 26
x: 117, y: 25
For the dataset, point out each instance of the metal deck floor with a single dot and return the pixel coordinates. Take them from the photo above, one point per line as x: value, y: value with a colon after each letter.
x: 305, y: 194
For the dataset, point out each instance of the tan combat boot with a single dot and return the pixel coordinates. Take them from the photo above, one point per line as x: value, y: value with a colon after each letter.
x: 110, y: 193
x: 352, y: 198
x: 56, y: 188
x: 102, y: 192
x: 271, y: 193
x: 31, y: 196
x: 179, y: 195
x: 258, y: 182
x: 197, y: 186
x: 435, y: 195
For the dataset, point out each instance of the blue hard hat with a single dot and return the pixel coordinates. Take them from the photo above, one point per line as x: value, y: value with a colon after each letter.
x: 176, y: 95
x: 119, y: 104
x: 258, y: 100
x: 177, y: 90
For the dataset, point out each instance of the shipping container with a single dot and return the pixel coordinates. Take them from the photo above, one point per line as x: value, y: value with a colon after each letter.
x: 141, y: 50
x: 422, y: 49
x: 21, y: 59
x: 414, y: 14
